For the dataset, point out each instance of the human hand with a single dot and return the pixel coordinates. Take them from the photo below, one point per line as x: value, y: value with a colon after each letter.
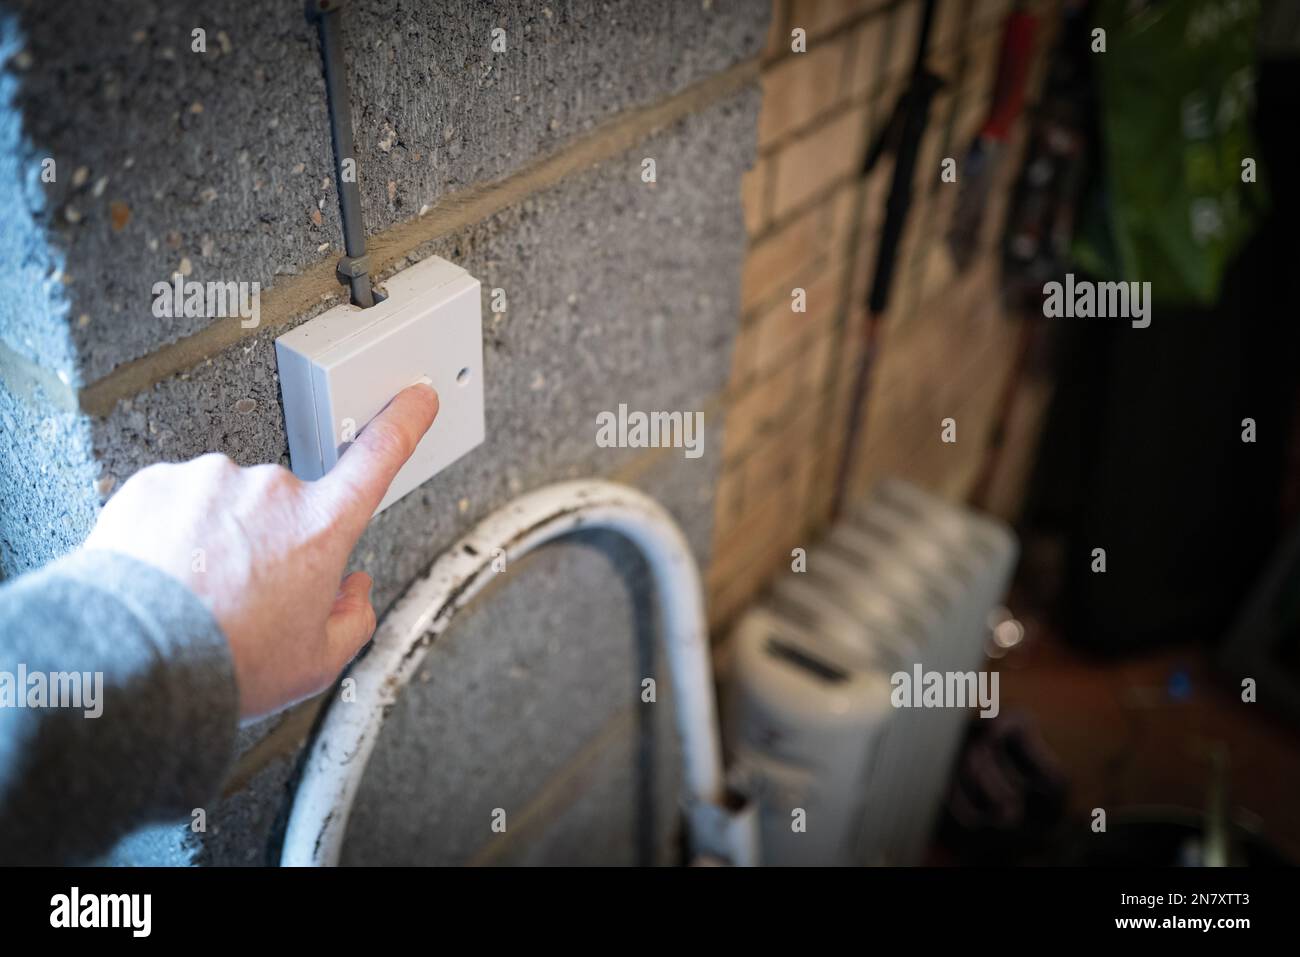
x: 266, y: 551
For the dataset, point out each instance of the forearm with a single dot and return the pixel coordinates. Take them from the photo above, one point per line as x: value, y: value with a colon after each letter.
x: 127, y: 712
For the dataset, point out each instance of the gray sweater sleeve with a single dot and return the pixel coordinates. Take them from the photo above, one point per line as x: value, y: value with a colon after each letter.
x: 140, y: 706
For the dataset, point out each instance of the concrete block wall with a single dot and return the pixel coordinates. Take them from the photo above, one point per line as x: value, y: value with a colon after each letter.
x: 944, y: 345
x: 522, y: 166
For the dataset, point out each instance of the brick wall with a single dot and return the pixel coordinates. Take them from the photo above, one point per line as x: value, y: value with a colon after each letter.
x: 944, y: 346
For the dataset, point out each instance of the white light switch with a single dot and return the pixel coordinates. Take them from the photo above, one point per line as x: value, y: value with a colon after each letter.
x: 341, y: 368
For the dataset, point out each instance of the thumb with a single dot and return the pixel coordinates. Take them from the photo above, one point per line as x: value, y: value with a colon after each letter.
x: 351, y: 621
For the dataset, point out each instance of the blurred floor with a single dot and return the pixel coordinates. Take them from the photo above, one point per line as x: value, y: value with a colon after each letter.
x: 1142, y: 732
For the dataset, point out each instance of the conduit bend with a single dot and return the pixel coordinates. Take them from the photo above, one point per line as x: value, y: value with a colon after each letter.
x: 347, y: 734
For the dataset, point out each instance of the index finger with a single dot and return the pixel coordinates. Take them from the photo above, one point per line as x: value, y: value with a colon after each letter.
x: 357, y: 483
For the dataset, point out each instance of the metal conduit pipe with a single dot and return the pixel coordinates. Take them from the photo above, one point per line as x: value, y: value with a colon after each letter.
x: 346, y: 736
x: 354, y: 267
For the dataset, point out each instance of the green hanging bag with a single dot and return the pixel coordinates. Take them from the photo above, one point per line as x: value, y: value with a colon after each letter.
x: 1179, y: 193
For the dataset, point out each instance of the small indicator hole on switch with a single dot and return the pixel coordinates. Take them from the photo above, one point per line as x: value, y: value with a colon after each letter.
x: 462, y: 377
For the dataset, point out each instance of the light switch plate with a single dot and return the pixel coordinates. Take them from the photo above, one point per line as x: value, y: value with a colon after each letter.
x: 341, y: 368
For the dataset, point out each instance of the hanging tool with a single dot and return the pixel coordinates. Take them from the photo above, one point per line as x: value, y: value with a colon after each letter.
x: 903, y: 134
x: 981, y: 163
